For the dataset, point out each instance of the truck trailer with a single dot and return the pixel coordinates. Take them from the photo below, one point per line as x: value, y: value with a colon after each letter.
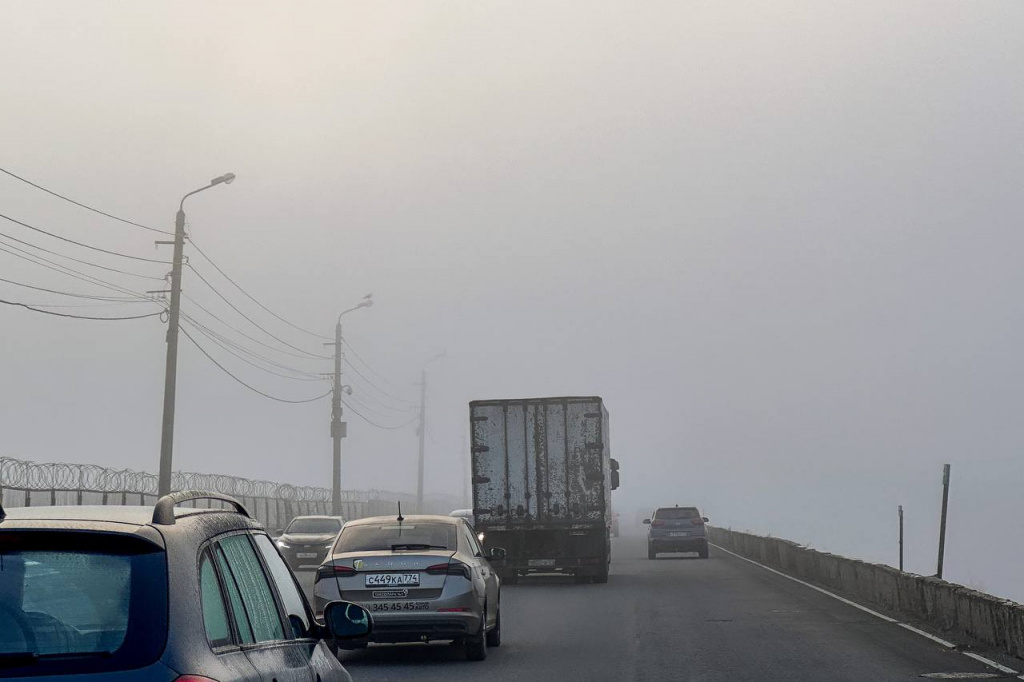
x: 542, y: 481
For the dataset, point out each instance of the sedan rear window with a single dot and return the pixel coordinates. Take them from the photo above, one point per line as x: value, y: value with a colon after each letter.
x: 397, y: 537
x: 313, y: 526
x: 80, y: 602
x: 674, y: 513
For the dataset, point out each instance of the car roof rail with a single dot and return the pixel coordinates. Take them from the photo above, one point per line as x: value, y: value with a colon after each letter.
x: 163, y: 512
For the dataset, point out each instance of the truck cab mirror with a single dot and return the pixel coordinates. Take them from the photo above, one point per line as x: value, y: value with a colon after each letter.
x: 498, y: 553
x: 647, y: 522
x: 347, y: 621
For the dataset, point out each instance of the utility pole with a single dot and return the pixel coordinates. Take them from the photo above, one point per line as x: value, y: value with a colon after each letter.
x: 942, y: 522
x: 171, y: 370
x: 901, y: 537
x: 423, y: 435
x: 339, y: 428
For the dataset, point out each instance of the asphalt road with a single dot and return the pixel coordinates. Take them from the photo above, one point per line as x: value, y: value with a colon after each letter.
x: 676, y: 618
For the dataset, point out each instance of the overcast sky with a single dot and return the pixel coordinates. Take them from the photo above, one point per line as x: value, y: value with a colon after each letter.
x: 782, y: 240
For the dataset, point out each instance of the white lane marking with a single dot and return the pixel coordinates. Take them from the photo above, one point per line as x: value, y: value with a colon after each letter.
x: 911, y: 628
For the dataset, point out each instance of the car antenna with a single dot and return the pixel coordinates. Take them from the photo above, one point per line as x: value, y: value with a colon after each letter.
x: 400, y: 517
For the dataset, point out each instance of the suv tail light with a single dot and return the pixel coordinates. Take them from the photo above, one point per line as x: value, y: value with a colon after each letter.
x: 657, y: 523
x: 328, y: 571
x: 453, y: 567
x: 698, y: 522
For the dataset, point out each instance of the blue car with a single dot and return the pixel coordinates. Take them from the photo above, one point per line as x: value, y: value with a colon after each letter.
x: 677, y: 529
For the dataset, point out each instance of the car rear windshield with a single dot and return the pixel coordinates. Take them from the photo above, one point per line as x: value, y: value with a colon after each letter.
x: 80, y: 602
x: 398, y: 537
x: 314, y: 526
x: 674, y: 513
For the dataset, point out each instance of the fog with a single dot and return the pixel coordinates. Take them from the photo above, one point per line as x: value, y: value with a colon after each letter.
x: 781, y: 241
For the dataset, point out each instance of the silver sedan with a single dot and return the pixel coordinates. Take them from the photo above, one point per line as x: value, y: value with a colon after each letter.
x: 423, y: 578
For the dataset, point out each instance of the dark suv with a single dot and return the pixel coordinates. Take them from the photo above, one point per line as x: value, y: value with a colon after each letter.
x: 308, y: 539
x: 158, y: 594
x: 677, y: 529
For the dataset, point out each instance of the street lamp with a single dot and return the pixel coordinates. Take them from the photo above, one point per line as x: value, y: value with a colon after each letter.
x: 338, y: 427
x: 170, y: 377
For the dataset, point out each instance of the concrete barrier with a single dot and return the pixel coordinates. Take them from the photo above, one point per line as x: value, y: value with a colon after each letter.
x: 944, y: 606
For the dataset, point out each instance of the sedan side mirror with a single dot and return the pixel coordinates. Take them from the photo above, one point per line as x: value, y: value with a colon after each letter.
x: 498, y: 553
x: 346, y: 621
x: 647, y: 521
x: 706, y: 519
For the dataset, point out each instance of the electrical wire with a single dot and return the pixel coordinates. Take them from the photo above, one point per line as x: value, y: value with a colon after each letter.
x: 82, y: 244
x: 373, y: 423
x: 251, y: 297
x: 224, y: 346
x: 372, y: 371
x: 78, y: 317
x: 250, y: 320
x: 369, y: 408
x: 378, y: 388
x: 378, y: 403
x: 4, y: 235
x: 251, y: 388
x: 65, y: 270
x: 113, y: 299
x: 251, y: 353
x: 304, y: 355
x: 76, y: 203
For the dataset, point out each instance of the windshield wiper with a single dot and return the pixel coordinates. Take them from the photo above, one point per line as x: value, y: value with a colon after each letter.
x: 416, y: 545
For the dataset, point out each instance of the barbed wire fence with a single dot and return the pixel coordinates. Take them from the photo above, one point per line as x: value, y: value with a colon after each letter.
x: 33, y: 484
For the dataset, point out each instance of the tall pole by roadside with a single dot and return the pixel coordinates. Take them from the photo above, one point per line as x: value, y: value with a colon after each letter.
x: 338, y: 427
x: 171, y: 368
x: 942, y: 522
x: 901, y: 537
x: 423, y: 435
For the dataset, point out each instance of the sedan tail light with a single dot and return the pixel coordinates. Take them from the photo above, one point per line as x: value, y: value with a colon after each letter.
x: 698, y: 522
x: 657, y: 523
x: 328, y: 571
x: 453, y: 567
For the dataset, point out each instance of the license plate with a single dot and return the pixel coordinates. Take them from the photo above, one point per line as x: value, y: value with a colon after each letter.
x: 306, y: 555
x: 541, y: 562
x: 390, y: 594
x: 392, y: 579
x: 399, y: 606
x: 679, y: 534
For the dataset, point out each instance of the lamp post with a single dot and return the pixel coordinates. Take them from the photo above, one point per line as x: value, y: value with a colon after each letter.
x: 339, y: 428
x: 171, y: 373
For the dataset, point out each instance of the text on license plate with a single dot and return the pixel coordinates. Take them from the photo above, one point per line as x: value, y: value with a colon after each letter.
x: 400, y: 606
x: 392, y: 579
x: 541, y: 562
x: 679, y: 534
x: 305, y: 555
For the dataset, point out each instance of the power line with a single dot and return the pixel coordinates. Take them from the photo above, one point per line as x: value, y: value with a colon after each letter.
x: 82, y: 244
x: 251, y: 388
x: 373, y: 423
x: 78, y: 317
x: 249, y: 319
x: 370, y: 382
x: 367, y: 395
x: 251, y: 353
x: 88, y: 208
x: 115, y: 299
x: 369, y: 408
x: 304, y: 355
x: 375, y: 373
x: 79, y: 260
x: 250, y: 296
x: 224, y: 346
x: 65, y: 270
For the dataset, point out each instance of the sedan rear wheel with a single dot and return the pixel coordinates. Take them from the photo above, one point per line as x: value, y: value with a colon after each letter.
x: 494, y: 636
x: 476, y: 646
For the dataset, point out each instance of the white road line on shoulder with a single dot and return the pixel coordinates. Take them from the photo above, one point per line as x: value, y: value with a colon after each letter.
x: 882, y: 616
